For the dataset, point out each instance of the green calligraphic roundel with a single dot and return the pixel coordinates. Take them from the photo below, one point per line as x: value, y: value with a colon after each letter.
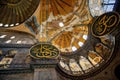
x: 105, y: 23
x: 44, y: 50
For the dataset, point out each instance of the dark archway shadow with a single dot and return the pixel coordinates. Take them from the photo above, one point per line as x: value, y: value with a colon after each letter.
x: 117, y: 71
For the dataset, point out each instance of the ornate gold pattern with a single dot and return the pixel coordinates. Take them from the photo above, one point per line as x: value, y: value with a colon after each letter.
x: 105, y: 23
x: 69, y: 38
x: 44, y: 51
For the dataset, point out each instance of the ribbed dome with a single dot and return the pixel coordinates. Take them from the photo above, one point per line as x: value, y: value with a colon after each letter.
x: 15, y: 12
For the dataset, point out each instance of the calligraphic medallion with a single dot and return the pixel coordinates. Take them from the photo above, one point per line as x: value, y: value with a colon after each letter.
x: 105, y: 23
x: 44, y: 50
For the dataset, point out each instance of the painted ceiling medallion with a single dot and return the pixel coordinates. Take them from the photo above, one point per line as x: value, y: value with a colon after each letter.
x: 15, y: 12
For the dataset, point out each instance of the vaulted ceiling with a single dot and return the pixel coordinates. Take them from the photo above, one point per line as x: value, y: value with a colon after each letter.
x: 66, y: 24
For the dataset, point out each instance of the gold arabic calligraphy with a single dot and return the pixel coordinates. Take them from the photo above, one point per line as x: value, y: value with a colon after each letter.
x: 44, y: 51
x: 104, y: 24
x: 107, y: 22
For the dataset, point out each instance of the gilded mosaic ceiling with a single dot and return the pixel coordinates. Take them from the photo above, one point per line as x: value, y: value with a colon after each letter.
x: 64, y: 23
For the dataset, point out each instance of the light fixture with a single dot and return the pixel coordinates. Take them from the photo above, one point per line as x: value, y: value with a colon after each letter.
x: 12, y: 25
x: 85, y: 37
x: 12, y: 37
x: 18, y: 42
x: 1, y: 24
x: 3, y: 36
x: 80, y: 44
x: 17, y: 24
x: 61, y: 24
x: 8, y: 41
x: 74, y: 48
x: 6, y: 25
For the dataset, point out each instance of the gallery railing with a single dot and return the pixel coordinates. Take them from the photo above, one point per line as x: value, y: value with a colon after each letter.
x: 14, y: 66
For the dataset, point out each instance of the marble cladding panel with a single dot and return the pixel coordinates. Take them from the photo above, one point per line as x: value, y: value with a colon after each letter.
x: 22, y: 76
